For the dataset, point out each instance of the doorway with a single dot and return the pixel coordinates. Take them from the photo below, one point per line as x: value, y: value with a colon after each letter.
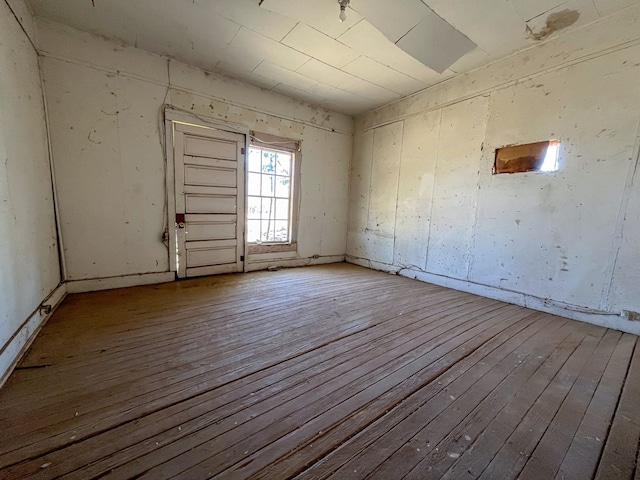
x: 208, y: 174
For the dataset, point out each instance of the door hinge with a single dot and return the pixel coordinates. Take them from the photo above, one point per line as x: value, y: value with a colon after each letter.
x: 242, y: 150
x: 242, y: 258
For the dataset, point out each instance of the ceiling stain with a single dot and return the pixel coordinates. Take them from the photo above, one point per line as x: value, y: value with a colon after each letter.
x: 555, y: 22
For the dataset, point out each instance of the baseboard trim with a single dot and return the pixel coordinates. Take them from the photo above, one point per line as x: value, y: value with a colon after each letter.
x: 109, y: 283
x: 611, y: 320
x: 24, y: 337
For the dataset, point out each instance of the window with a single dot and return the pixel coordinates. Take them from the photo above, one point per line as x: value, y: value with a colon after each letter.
x: 532, y: 157
x: 271, y: 192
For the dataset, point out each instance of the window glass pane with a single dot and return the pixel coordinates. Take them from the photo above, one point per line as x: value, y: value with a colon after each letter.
x: 281, y: 231
x: 550, y: 163
x: 268, y: 185
x: 253, y: 231
x: 253, y: 184
x: 267, y: 233
x: 282, y: 209
x: 254, y: 164
x: 253, y: 207
x: 268, y: 162
x: 283, y: 164
x: 268, y: 208
x: 269, y: 194
x: 282, y: 187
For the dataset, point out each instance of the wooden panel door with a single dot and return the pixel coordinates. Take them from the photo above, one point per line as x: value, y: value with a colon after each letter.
x: 209, y: 177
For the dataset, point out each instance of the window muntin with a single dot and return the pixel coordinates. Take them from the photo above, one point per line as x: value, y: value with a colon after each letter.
x: 269, y: 195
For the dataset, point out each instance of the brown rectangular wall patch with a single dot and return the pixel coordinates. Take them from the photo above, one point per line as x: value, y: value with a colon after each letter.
x: 522, y: 158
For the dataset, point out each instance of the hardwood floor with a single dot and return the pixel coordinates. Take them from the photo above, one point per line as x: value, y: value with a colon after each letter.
x: 334, y: 371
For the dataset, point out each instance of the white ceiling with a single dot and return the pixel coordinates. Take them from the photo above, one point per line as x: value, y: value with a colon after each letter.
x: 298, y: 48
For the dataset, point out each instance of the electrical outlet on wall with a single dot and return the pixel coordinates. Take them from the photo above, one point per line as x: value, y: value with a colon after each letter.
x: 631, y: 316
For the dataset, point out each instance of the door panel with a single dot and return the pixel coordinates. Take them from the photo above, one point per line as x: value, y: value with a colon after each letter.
x: 210, y: 204
x: 211, y: 218
x: 209, y: 174
x: 224, y: 191
x: 203, y: 147
x: 213, y: 270
x: 213, y: 230
x: 209, y: 162
x: 211, y: 256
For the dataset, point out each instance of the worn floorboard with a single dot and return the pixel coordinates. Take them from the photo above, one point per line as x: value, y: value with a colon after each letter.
x: 321, y: 372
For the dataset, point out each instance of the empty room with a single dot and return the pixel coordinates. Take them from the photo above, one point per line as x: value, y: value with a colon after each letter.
x: 309, y: 239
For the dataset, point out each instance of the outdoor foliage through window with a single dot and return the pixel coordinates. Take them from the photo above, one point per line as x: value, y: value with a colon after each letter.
x: 269, y: 196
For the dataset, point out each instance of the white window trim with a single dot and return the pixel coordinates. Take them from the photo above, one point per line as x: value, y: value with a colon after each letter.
x: 267, y: 141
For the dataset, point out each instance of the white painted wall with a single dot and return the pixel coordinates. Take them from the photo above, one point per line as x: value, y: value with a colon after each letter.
x: 29, y: 270
x: 105, y: 102
x: 425, y: 204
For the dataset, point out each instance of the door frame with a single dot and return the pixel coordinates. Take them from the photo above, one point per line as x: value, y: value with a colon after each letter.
x: 172, y: 117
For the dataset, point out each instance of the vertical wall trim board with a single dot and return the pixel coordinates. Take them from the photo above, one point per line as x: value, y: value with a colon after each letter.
x: 373, y: 143
x: 245, y: 241
x: 472, y: 246
x: 169, y: 187
x: 324, y: 176
x: 26, y: 34
x: 395, y: 216
x: 54, y: 190
x: 349, y: 189
x: 433, y: 190
x: 616, y: 244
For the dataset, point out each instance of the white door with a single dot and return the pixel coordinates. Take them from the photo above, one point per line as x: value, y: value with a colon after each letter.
x: 209, y: 177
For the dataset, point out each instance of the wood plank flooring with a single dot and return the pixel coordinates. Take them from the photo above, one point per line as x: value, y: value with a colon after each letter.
x: 322, y: 372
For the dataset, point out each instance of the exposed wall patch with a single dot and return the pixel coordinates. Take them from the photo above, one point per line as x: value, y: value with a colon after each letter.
x: 631, y: 316
x: 530, y: 157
